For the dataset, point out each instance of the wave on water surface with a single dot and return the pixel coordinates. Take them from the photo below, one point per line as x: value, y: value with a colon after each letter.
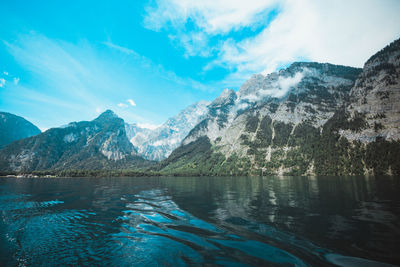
x: 147, y: 228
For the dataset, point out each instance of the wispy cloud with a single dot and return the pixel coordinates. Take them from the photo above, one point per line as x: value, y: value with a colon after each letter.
x: 190, y: 24
x: 73, y: 76
x: 60, y: 67
x: 8, y: 78
x: 285, y: 83
x: 122, y: 105
x: 276, y: 89
x: 342, y: 32
x: 83, y: 78
x: 120, y: 48
x: 214, y: 17
x: 148, y: 126
x: 160, y: 71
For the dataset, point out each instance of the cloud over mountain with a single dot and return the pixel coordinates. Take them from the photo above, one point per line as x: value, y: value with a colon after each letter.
x: 261, y: 36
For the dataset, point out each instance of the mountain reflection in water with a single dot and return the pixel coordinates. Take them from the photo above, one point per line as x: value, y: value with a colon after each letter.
x: 229, y: 221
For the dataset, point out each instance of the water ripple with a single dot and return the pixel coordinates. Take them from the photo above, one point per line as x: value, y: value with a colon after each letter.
x: 156, y: 219
x: 148, y: 228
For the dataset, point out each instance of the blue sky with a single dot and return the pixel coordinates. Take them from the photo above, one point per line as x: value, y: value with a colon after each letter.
x: 63, y: 61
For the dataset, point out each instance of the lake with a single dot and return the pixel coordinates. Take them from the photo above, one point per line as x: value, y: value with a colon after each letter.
x: 178, y: 221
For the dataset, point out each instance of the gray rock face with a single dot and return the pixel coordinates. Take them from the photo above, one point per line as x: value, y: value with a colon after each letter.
x: 96, y: 144
x: 157, y: 144
x: 310, y: 118
x: 13, y: 128
x: 217, y: 116
x: 305, y: 91
x: 376, y: 97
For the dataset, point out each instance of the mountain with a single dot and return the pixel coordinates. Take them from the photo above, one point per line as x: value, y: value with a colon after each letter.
x: 376, y: 97
x: 158, y: 144
x: 98, y: 144
x: 307, y: 119
x: 13, y: 127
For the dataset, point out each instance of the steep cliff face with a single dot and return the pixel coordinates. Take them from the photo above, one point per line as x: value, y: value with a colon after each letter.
x: 304, y: 91
x: 310, y: 118
x: 376, y: 97
x: 218, y: 116
x: 157, y: 144
x: 97, y: 144
x: 14, y: 128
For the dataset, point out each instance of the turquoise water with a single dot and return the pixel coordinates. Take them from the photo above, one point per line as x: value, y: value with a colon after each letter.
x: 178, y: 221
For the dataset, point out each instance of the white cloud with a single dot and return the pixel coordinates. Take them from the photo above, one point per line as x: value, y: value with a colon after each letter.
x: 98, y: 110
x: 281, y: 88
x: 285, y: 83
x: 148, y: 126
x: 277, y: 89
x: 2, y: 82
x: 131, y: 102
x: 210, y: 15
x: 242, y: 106
x: 346, y: 33
x: 122, y: 105
x: 5, y: 73
x: 343, y: 32
x: 16, y: 80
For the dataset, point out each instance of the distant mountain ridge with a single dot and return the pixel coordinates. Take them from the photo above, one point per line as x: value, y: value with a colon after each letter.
x: 157, y: 144
x: 13, y: 127
x: 98, y: 144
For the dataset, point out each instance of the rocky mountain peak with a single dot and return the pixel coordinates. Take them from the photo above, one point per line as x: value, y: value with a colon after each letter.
x: 13, y: 127
x: 157, y: 144
x: 95, y: 144
x: 227, y: 97
x: 107, y: 115
x: 191, y: 113
x: 299, y: 78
